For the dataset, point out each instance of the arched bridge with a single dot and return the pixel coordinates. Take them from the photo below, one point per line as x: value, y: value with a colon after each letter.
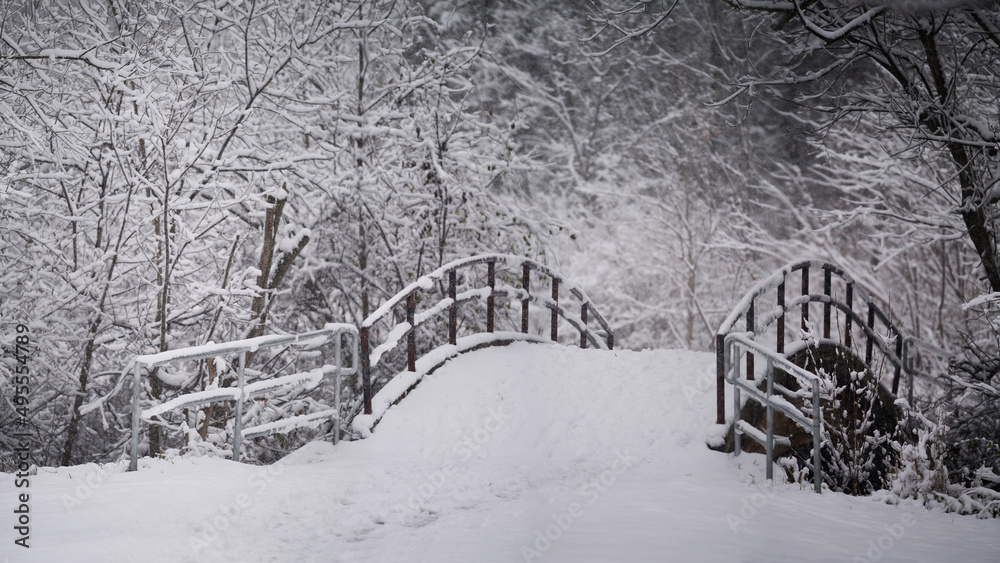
x: 451, y: 292
x: 497, y: 298
x: 479, y: 279
x: 841, y: 316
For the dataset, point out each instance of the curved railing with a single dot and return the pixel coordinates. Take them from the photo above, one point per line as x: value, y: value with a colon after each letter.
x: 856, y: 306
x: 402, y: 317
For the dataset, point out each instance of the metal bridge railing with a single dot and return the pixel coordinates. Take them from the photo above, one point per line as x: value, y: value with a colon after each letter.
x: 402, y: 317
x: 840, y: 293
x: 735, y: 346
x: 242, y: 392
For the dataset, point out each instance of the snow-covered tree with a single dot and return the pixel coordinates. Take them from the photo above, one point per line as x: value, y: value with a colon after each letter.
x: 180, y: 172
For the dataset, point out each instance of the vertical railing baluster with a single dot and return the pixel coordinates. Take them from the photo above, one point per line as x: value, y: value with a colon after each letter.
x: 366, y: 368
x: 805, y: 291
x: 338, y: 353
x: 908, y: 364
x: 871, y: 326
x: 133, y: 461
x: 899, y: 355
x: 850, y: 309
x: 555, y: 310
x: 769, y: 446
x: 411, y: 337
x: 737, y: 446
x: 453, y: 310
x: 827, y: 290
x: 780, y: 347
x: 753, y: 335
x: 491, y: 275
x: 720, y: 379
x: 526, y: 286
x: 238, y: 423
x: 817, y: 422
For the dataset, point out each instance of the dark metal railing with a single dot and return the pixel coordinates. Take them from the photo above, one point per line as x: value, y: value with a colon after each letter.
x: 888, y: 339
x: 600, y: 337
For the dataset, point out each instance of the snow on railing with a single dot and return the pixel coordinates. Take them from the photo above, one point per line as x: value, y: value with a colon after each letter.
x: 735, y: 343
x: 888, y: 339
x: 600, y: 337
x: 242, y: 392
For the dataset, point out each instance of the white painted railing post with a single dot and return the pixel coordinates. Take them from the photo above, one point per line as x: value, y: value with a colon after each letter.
x: 238, y: 423
x: 817, y: 422
x: 733, y: 344
x: 769, y: 447
x: 733, y: 361
x: 338, y: 352
x: 133, y: 462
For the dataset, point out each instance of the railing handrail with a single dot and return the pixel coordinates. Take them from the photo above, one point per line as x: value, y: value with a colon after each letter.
x: 802, y: 374
x: 426, y: 281
x: 212, y: 350
x: 407, y: 297
x: 814, y: 425
x: 854, y: 292
x: 780, y: 276
x: 331, y: 331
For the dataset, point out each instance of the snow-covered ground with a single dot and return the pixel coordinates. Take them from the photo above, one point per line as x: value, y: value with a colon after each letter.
x: 524, y: 453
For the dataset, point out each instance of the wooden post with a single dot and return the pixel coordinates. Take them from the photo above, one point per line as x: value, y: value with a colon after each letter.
x: 583, y: 318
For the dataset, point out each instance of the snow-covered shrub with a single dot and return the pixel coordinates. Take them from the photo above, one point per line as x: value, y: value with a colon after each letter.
x: 860, y: 452
x: 923, y: 475
x: 859, y: 420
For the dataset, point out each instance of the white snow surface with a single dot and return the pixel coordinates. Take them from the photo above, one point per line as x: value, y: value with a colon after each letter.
x: 524, y: 453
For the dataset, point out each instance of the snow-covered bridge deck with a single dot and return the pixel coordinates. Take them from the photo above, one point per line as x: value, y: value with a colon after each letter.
x: 523, y: 453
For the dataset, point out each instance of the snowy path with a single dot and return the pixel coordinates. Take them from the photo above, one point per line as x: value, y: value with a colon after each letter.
x: 524, y: 453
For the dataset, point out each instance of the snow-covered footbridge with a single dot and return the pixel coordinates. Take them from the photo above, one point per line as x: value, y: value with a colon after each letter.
x: 525, y: 453
x: 454, y: 309
x: 796, y: 370
x: 471, y: 289
x: 516, y: 453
